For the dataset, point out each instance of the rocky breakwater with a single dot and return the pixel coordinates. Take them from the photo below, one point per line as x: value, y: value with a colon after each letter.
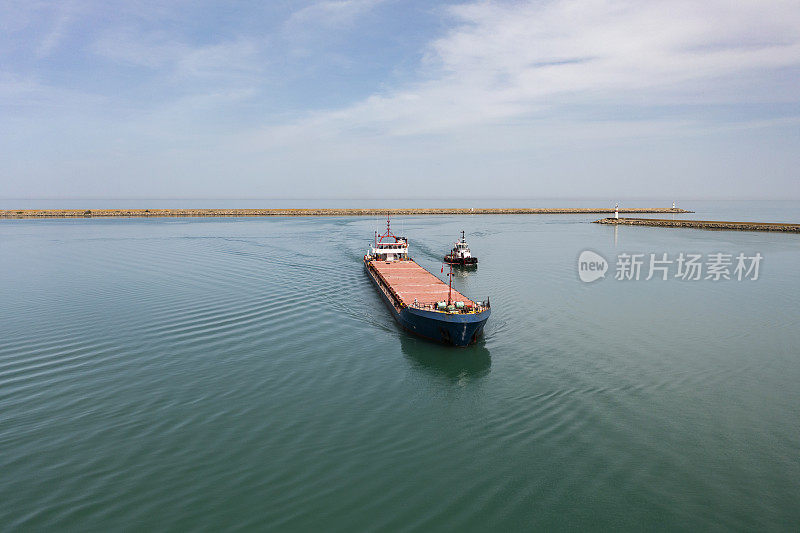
x: 703, y: 224
x: 122, y: 213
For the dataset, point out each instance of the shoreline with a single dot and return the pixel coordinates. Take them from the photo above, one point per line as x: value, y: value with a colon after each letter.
x: 702, y: 224
x: 151, y: 213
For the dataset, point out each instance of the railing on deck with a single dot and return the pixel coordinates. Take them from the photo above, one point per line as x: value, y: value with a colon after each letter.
x: 477, y: 308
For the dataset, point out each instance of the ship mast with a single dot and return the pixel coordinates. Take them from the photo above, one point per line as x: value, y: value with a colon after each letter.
x: 388, y: 230
x: 450, y: 290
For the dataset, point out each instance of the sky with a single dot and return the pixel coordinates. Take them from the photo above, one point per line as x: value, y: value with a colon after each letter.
x: 406, y: 99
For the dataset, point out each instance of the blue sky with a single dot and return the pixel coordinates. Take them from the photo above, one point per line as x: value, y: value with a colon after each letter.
x: 380, y: 98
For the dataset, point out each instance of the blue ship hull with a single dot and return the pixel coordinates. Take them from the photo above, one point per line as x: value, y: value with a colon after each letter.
x: 448, y: 328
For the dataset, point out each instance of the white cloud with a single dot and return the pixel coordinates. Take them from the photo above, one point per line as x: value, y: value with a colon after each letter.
x: 65, y: 15
x: 224, y: 59
x: 566, y: 88
x: 329, y: 14
x: 506, y: 62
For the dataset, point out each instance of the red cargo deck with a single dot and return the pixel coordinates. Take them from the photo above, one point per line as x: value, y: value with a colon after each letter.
x: 408, y: 280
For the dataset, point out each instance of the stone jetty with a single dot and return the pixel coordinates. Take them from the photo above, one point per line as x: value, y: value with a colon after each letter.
x: 121, y: 213
x: 703, y: 224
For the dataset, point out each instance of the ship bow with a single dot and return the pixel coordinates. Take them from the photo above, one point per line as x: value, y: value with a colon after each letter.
x: 450, y: 328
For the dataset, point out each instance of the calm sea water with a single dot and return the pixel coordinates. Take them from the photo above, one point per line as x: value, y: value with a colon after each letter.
x: 243, y: 373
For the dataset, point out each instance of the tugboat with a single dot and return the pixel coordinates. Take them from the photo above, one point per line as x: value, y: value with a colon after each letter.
x: 460, y: 254
x: 419, y: 301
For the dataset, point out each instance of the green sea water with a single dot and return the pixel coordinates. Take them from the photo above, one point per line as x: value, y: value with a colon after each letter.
x: 243, y: 373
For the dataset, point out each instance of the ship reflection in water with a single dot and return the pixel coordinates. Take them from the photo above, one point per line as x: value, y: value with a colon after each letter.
x: 455, y: 365
x: 464, y: 272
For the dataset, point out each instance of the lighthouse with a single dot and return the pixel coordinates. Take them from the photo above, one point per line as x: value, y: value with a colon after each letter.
x: 616, y: 210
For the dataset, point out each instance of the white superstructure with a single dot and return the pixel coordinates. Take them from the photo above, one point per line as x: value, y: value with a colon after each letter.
x: 393, y: 248
x: 391, y: 251
x: 461, y: 249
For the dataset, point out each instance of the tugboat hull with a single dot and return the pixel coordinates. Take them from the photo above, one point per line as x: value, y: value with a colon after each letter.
x: 461, y: 261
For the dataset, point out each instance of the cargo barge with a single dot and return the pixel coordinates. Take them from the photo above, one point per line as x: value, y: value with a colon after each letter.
x: 419, y: 301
